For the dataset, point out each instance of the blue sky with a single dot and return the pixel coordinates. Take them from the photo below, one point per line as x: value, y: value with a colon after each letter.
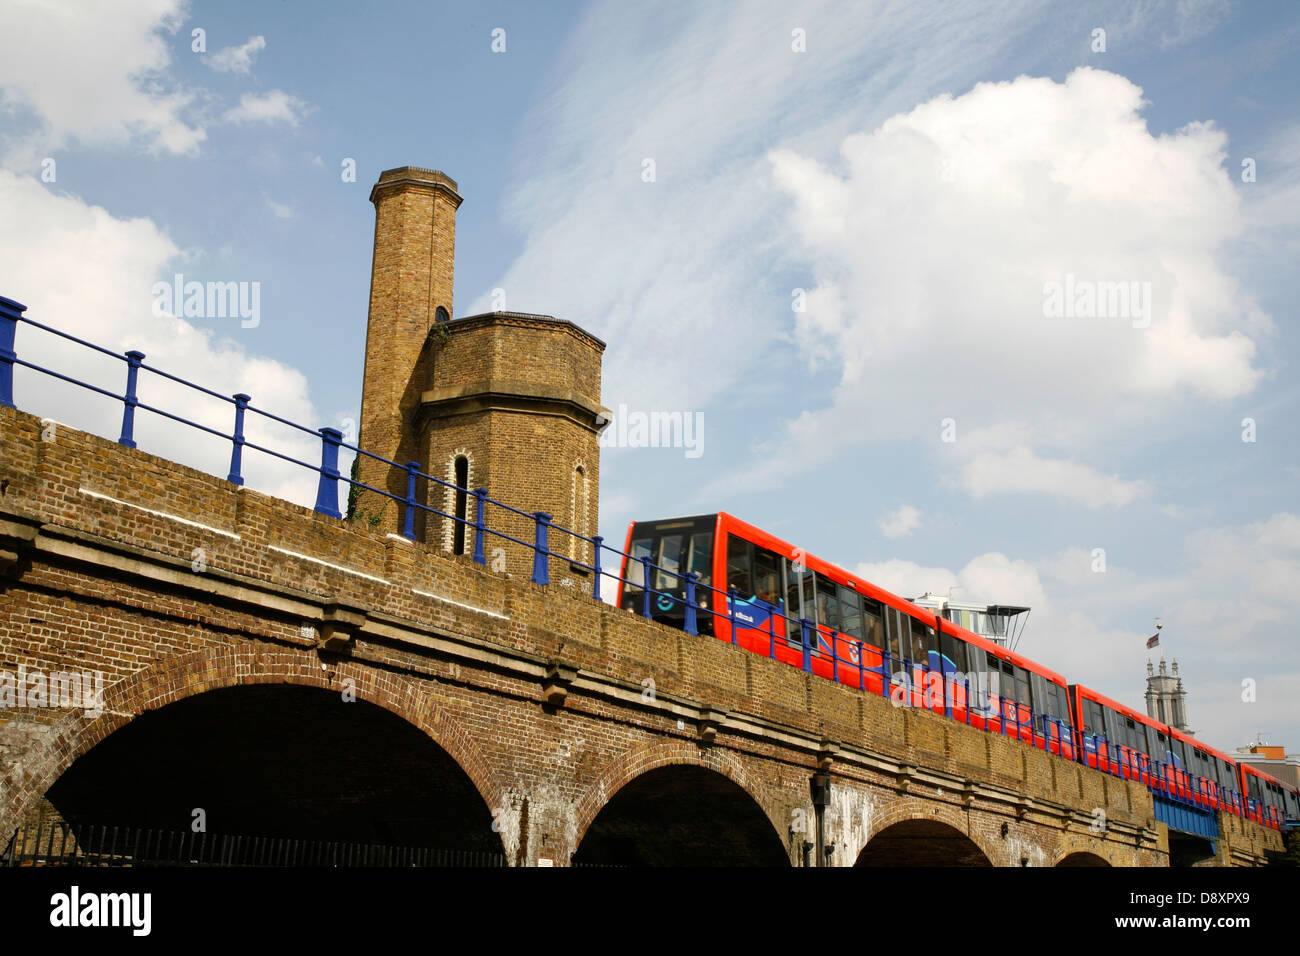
x: 919, y: 170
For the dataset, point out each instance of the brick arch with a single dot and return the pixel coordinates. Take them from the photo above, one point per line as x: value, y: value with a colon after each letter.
x: 1072, y: 843
x: 189, y: 675
x: 917, y: 809
x: 632, y: 764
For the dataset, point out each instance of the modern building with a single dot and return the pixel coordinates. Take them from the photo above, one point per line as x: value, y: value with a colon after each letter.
x: 1274, y: 761
x: 993, y: 622
x: 1166, y: 699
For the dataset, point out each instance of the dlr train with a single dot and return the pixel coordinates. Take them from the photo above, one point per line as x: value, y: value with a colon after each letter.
x: 716, y: 575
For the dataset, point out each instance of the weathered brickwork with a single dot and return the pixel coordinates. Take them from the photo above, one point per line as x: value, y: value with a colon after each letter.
x: 538, y: 694
x: 411, y: 278
x: 518, y: 395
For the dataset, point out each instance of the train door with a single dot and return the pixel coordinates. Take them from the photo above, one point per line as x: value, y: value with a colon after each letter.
x: 753, y: 596
x: 1094, y: 734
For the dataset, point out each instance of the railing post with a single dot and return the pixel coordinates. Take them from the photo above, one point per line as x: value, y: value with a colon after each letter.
x: 771, y: 633
x: 884, y: 671
x: 732, y: 594
x: 835, y: 659
x: 408, y: 525
x: 10, y: 313
x: 689, y: 626
x: 598, y: 542
x: 966, y: 684
x: 804, y: 624
x: 480, y: 524
x: 129, y: 401
x: 327, y: 494
x: 237, y: 447
x: 645, y: 589
x: 541, y: 567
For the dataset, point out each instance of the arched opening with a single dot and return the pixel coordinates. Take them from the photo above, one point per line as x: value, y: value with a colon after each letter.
x: 440, y: 316
x: 1083, y: 858
x: 462, y: 504
x: 581, y: 509
x: 921, y: 843
x: 280, y: 761
x: 681, y: 816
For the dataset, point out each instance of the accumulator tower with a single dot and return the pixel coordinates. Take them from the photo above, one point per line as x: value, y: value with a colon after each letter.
x: 505, y: 401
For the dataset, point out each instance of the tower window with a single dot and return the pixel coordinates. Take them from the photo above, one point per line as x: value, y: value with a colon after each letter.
x: 441, y: 316
x: 462, y: 503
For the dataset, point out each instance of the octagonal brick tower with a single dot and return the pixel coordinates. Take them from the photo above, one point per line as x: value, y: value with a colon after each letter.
x: 505, y: 401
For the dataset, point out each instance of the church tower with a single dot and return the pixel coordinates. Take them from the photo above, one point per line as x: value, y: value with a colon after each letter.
x: 1166, y: 699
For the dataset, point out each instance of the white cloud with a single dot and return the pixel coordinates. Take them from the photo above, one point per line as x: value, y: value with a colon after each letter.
x: 679, y: 271
x: 991, y: 578
x: 278, y: 210
x: 931, y: 242
x: 236, y: 59
x: 93, y: 73
x: 900, y: 522
x: 1021, y: 471
x: 274, y: 106
x: 81, y: 270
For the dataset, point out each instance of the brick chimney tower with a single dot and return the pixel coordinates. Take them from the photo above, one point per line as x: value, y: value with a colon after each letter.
x: 410, y: 281
x: 506, y: 401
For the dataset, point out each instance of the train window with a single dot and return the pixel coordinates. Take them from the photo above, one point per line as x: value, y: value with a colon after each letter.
x: 923, y: 641
x: 795, y: 575
x: 669, y: 563
x: 1177, y: 747
x: 767, y: 576
x: 640, y: 552
x: 873, y: 623
x: 1022, y: 688
x: 1063, y: 705
x: 1093, y: 720
x: 850, y: 612
x: 701, y: 559
x: 1009, y: 688
x: 900, y: 641
x: 739, y: 566
x: 828, y: 604
x: 955, y: 650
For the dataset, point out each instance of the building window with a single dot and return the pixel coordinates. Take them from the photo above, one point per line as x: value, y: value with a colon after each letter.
x: 441, y: 316
x: 462, y: 479
x: 580, y: 515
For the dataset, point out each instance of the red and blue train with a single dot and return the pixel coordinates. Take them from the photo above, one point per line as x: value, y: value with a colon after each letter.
x: 716, y: 575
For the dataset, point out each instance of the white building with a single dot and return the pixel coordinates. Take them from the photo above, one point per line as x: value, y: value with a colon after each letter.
x: 993, y: 622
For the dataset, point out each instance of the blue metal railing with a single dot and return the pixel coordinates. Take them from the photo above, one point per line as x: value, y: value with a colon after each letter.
x: 913, y: 683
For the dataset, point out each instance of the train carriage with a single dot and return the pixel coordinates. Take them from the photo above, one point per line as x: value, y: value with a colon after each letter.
x: 754, y: 590
x: 1264, y: 797
x: 718, y: 576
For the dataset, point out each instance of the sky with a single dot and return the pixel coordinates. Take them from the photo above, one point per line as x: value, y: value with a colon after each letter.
x: 993, y: 298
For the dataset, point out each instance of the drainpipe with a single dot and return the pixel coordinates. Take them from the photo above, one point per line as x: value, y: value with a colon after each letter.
x: 821, y: 794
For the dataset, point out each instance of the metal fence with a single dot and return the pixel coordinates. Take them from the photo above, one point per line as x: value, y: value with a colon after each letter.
x: 62, y: 844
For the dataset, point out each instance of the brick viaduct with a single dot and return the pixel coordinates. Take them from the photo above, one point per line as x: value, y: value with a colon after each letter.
x: 283, y: 669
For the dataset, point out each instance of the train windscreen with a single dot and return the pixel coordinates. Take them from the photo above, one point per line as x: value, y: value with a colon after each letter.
x: 673, y: 548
